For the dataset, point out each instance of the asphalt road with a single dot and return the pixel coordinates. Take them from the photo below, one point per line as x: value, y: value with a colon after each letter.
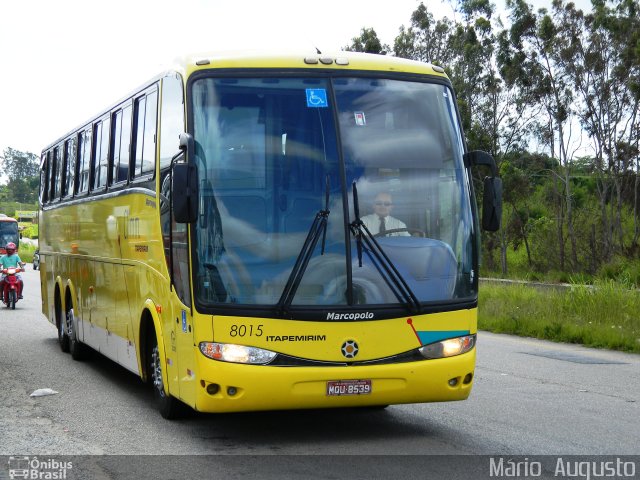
x: 530, y: 397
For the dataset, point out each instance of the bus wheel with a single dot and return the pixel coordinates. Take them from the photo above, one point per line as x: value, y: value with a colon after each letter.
x: 169, y: 406
x: 77, y: 349
x: 63, y: 337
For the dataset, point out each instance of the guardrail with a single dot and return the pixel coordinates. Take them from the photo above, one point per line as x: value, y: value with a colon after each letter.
x: 537, y: 285
x: 540, y: 285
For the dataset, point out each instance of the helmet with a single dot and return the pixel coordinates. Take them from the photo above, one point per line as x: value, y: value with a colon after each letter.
x: 10, y: 246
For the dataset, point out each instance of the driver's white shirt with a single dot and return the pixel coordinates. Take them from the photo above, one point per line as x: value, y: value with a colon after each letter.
x: 372, y: 222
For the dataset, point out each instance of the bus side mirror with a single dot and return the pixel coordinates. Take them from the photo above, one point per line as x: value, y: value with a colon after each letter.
x: 184, y: 182
x: 492, y: 198
x: 492, y: 204
x: 184, y: 192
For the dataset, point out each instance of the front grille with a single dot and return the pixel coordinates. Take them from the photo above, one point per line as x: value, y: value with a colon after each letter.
x: 283, y: 360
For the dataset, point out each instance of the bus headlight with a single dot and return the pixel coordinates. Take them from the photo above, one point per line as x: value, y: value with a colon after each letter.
x: 228, y: 352
x: 448, y: 348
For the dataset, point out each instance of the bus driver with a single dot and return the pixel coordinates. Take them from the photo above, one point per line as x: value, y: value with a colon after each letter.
x: 381, y: 221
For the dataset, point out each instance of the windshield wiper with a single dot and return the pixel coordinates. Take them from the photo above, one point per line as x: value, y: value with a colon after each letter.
x: 318, y: 227
x: 365, y: 241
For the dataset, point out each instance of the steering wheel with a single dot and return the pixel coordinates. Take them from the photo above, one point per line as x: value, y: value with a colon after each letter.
x: 415, y: 232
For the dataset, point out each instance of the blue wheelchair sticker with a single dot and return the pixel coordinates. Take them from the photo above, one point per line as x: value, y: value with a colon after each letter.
x: 317, y: 97
x: 184, y: 321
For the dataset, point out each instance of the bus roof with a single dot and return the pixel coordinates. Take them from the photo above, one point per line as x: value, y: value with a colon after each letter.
x: 331, y: 61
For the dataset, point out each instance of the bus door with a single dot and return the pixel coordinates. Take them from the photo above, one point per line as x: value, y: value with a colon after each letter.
x: 178, y: 319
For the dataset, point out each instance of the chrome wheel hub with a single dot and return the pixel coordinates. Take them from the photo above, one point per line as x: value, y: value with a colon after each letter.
x: 69, y: 325
x: 156, y: 370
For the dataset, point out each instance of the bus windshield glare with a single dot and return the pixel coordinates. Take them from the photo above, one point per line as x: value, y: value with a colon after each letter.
x: 269, y: 150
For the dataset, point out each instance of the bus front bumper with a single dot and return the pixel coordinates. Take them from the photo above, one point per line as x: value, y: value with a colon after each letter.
x: 228, y: 387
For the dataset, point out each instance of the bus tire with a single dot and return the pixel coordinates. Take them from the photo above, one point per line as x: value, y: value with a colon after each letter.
x: 63, y: 337
x: 168, y: 405
x: 78, y: 350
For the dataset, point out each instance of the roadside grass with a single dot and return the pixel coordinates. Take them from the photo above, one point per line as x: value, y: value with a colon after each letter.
x: 605, y: 315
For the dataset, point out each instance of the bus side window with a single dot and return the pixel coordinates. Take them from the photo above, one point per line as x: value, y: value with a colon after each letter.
x: 56, y: 173
x: 121, y: 139
x: 95, y: 157
x: 44, y: 177
x: 63, y: 170
x: 70, y: 151
x: 116, y: 133
x: 100, y: 154
x: 171, y: 119
x: 84, y: 154
x: 52, y: 178
x: 145, y: 140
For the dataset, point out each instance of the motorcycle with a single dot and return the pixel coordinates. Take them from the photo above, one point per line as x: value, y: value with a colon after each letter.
x: 11, y: 287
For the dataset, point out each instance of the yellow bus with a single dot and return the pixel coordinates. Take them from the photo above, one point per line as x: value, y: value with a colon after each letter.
x: 258, y: 232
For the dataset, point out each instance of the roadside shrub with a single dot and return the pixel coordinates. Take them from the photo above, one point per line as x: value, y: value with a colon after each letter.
x: 26, y: 252
x: 30, y: 232
x: 603, y: 315
x: 621, y: 270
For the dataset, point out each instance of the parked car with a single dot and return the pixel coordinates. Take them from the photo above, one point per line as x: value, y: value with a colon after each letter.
x: 36, y: 260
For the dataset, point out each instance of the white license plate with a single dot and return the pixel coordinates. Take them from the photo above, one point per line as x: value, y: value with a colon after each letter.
x: 337, y: 388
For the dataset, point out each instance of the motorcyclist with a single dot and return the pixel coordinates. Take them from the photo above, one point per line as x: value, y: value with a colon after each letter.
x: 11, y: 260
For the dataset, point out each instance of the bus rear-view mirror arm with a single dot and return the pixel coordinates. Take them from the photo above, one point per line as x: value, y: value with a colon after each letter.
x: 492, y: 197
x: 184, y: 183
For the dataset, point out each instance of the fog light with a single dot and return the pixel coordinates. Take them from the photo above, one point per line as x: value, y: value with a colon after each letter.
x: 213, y: 388
x: 453, y: 382
x: 231, y: 391
x: 467, y: 378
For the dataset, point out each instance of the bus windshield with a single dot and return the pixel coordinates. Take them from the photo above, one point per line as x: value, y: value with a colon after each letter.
x: 8, y: 232
x: 269, y: 150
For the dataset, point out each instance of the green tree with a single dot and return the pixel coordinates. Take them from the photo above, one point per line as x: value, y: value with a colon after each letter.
x: 521, y: 176
x: 426, y: 39
x: 367, y: 42
x: 537, y: 47
x: 22, y: 171
x: 19, y: 165
x: 605, y: 70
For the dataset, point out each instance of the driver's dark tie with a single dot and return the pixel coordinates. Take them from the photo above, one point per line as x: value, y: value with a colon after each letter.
x: 383, y: 228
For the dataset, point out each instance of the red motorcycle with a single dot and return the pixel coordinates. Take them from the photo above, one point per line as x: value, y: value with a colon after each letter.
x: 11, y: 287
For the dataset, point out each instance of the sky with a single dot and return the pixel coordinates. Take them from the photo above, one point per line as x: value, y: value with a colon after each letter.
x: 62, y: 61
